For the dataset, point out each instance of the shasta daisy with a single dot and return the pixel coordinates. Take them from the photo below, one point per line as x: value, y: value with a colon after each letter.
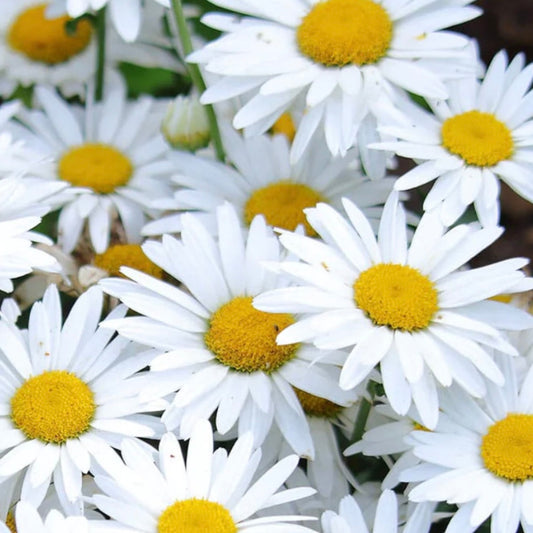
x: 408, y: 308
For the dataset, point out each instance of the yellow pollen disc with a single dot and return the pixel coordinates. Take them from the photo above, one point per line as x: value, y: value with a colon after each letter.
x: 507, y: 448
x: 479, y: 138
x: 336, y: 33
x: 503, y: 298
x: 130, y: 255
x: 284, y: 125
x: 97, y: 166
x: 315, y: 406
x: 282, y: 204
x: 10, y: 522
x: 54, y: 406
x: 396, y: 296
x: 244, y: 338
x: 419, y: 427
x: 47, y: 40
x: 196, y: 516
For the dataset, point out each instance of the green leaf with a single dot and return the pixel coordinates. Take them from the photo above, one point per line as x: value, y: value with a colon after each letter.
x: 48, y: 225
x: 24, y: 94
x: 155, y: 81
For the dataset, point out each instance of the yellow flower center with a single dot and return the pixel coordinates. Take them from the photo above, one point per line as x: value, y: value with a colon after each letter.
x: 503, y: 298
x: 196, y: 516
x: 315, y: 406
x: 47, y: 40
x: 507, y: 448
x: 131, y: 255
x: 479, y: 138
x: 97, y: 166
x: 282, y: 204
x: 244, y: 338
x: 396, y: 296
x: 10, y: 522
x: 336, y: 33
x: 284, y: 125
x: 54, y: 406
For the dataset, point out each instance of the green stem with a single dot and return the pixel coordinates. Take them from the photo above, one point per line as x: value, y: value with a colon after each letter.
x: 100, y: 53
x: 362, y: 414
x: 360, y: 421
x: 196, y: 75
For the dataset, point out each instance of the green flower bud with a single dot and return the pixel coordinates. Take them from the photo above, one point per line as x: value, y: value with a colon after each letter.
x: 185, y: 125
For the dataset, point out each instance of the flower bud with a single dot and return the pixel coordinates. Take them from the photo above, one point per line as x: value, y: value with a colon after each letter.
x: 185, y: 125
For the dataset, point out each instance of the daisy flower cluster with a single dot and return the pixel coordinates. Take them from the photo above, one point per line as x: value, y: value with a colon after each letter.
x: 245, y: 269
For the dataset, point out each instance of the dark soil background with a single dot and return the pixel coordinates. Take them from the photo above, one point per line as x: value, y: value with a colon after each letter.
x: 506, y: 24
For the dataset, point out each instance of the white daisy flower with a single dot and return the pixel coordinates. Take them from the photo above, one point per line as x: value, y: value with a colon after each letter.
x: 408, y: 308
x: 207, y: 492
x: 112, y: 155
x: 480, y: 456
x: 262, y: 181
x: 36, y: 48
x: 483, y: 132
x: 345, y: 54
x: 126, y: 16
x: 28, y: 520
x: 22, y: 204
x: 222, y: 353
x: 69, y: 396
x: 350, y: 519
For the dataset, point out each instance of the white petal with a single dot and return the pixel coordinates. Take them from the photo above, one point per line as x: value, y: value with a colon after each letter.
x: 126, y: 15
x: 264, y: 487
x: 199, y: 459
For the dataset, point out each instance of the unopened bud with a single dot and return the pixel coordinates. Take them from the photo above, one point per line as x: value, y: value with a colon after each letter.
x: 185, y: 125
